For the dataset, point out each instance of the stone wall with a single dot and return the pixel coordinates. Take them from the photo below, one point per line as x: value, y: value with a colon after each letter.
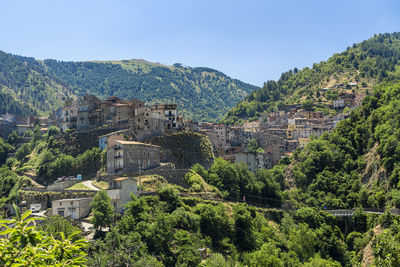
x: 45, y: 197
x: 185, y: 149
x: 75, y: 143
x: 61, y: 185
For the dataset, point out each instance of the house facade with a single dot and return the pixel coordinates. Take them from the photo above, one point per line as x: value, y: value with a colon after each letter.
x: 120, y: 190
x: 77, y: 208
x: 130, y: 156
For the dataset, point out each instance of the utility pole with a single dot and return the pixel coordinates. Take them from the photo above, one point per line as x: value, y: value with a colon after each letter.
x: 140, y: 171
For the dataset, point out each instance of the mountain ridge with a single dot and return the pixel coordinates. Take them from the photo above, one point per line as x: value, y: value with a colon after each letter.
x: 368, y: 63
x: 201, y: 93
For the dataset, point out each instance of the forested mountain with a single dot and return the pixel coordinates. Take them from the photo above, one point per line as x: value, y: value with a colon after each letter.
x: 26, y: 88
x: 367, y: 63
x: 201, y: 93
x: 29, y: 86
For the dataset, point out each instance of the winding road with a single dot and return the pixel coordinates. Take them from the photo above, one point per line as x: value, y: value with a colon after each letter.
x: 90, y: 185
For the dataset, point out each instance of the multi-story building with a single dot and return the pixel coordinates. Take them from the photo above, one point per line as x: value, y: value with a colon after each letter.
x: 86, y: 105
x: 169, y: 113
x: 69, y: 115
x: 303, y: 142
x: 105, y: 139
x: 120, y: 190
x: 146, y: 123
x: 359, y: 99
x: 130, y: 156
x: 338, y: 104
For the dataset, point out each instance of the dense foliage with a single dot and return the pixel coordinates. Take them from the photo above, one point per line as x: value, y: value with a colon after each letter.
x: 174, y: 229
x: 23, y: 245
x: 26, y: 88
x: 368, y: 63
x: 29, y: 86
x: 237, y: 183
x: 356, y: 164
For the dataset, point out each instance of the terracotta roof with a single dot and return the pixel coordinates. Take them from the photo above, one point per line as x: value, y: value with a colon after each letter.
x: 114, y: 133
x: 120, y: 178
x: 123, y: 142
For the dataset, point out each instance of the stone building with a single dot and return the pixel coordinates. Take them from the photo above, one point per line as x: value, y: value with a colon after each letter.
x: 85, y: 106
x: 146, y: 123
x: 169, y: 113
x: 69, y: 115
x: 130, y: 156
x: 105, y: 139
x: 359, y: 99
x: 249, y: 159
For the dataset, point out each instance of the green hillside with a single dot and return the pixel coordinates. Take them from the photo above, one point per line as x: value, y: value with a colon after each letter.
x: 367, y: 63
x: 201, y: 93
x: 26, y: 88
x: 29, y: 86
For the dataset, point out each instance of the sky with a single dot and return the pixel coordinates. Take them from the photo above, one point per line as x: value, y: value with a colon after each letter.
x: 251, y: 40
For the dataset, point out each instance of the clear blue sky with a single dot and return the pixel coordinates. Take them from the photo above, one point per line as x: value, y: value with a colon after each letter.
x: 252, y: 40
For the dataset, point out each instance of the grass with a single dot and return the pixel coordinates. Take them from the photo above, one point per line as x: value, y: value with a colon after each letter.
x: 153, y: 183
x: 101, y: 184
x: 79, y: 186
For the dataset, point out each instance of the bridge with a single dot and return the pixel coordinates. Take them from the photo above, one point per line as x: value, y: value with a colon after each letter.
x: 350, y: 213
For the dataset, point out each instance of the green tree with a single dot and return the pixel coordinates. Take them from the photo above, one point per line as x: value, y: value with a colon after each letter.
x: 308, y: 105
x: 5, y: 149
x: 252, y: 146
x: 23, y: 245
x: 244, y: 239
x: 103, y: 211
x: 267, y: 256
x: 56, y: 225
x: 360, y: 220
x: 171, y: 196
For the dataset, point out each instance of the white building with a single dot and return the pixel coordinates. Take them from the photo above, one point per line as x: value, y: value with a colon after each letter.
x: 120, y: 190
x: 339, y: 103
x: 77, y: 208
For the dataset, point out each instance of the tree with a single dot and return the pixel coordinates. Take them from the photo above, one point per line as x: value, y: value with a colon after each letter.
x: 267, y: 256
x: 308, y: 105
x: 252, y: 146
x: 171, y: 196
x: 102, y: 210
x: 56, y: 225
x: 23, y: 245
x: 23, y: 151
x: 360, y: 220
x: 244, y: 237
x: 5, y: 148
x: 89, y: 162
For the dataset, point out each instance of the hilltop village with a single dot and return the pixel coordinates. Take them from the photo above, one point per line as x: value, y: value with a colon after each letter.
x: 260, y: 143
x: 130, y: 127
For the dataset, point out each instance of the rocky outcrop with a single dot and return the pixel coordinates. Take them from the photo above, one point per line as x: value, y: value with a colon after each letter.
x: 185, y: 149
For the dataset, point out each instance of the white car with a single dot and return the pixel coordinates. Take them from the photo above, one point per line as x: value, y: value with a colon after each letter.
x: 34, y: 210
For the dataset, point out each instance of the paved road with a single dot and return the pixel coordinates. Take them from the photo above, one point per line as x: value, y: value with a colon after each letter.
x: 90, y: 185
